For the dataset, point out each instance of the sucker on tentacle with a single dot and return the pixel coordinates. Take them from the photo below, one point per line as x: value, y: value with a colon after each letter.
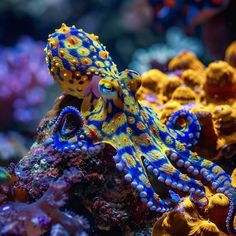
x: 149, y: 153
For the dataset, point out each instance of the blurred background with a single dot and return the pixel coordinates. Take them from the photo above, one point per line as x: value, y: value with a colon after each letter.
x: 140, y: 35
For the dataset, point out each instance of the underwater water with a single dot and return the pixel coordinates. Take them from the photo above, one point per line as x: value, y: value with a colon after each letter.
x: 119, y: 121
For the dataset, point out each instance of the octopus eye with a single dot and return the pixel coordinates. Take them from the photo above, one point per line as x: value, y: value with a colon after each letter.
x: 69, y: 122
x: 107, y: 89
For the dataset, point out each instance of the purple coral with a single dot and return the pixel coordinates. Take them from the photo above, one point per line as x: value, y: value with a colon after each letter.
x: 23, y: 79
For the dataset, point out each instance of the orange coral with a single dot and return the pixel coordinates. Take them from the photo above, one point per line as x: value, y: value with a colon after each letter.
x: 173, y: 83
x: 188, y: 219
x: 220, y: 80
x: 225, y: 124
x: 184, y: 95
x: 154, y: 80
x: 185, y: 60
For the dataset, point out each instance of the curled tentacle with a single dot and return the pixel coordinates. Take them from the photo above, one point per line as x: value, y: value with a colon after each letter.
x: 185, y: 126
x: 69, y: 122
x: 71, y: 135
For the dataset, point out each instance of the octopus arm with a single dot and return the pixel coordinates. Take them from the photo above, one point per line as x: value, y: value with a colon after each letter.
x: 185, y: 125
x: 131, y: 163
x: 165, y: 172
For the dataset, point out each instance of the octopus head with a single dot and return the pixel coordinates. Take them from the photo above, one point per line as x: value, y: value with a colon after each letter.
x: 75, y: 59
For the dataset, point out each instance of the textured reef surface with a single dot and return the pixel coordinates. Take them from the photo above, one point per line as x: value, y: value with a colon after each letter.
x: 125, y: 154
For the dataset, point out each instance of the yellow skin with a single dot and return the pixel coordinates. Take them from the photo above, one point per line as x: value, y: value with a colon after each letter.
x: 75, y: 58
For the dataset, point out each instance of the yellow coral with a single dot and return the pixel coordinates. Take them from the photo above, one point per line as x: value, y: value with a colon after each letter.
x: 170, y: 86
x: 225, y: 124
x: 230, y: 54
x: 220, y: 80
x: 204, y: 228
x: 193, y: 79
x: 168, y: 109
x: 154, y: 80
x: 184, y: 95
x: 187, y: 220
x: 185, y: 60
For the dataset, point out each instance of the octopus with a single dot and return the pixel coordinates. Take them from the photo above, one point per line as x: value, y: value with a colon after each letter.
x: 155, y: 158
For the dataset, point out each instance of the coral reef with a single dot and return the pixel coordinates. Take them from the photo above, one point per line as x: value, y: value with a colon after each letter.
x: 220, y: 81
x: 184, y: 12
x: 200, y: 90
x: 192, y: 220
x: 185, y: 60
x: 104, y: 163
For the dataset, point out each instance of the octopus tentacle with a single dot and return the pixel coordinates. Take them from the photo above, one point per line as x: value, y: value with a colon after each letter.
x: 186, y: 126
x: 74, y: 138
x: 172, y: 177
x: 127, y: 161
x: 232, y: 212
x: 63, y: 121
x: 200, y: 167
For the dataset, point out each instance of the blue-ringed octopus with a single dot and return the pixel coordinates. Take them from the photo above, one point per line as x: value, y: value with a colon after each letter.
x: 155, y: 158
